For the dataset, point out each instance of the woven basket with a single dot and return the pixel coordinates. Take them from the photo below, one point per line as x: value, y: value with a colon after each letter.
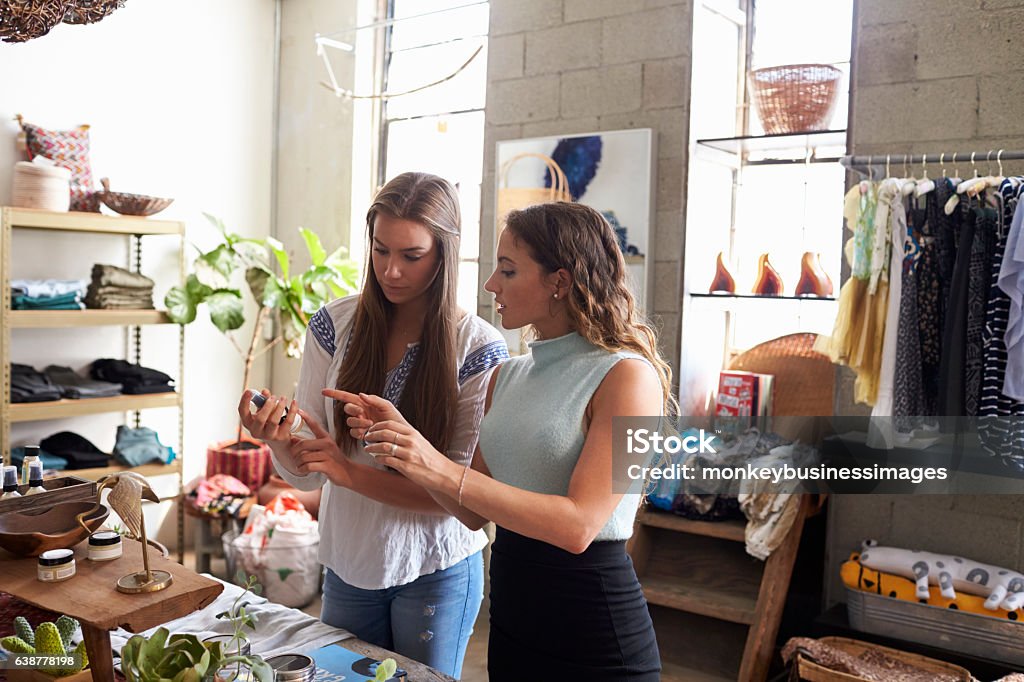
x: 812, y: 672
x: 804, y: 378
x: 513, y: 198
x: 795, y: 98
x: 43, y: 187
x: 131, y: 204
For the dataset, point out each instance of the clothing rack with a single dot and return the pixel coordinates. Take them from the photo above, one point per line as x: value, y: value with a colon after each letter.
x: 861, y: 162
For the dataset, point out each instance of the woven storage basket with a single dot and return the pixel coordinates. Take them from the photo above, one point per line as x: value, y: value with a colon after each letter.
x: 804, y: 378
x: 512, y: 198
x: 42, y: 187
x: 812, y: 672
x: 795, y: 98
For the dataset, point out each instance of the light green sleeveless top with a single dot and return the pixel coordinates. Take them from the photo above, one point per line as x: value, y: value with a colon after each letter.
x: 532, y: 436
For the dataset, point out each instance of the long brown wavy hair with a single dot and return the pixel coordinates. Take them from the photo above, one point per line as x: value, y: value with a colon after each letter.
x: 601, y: 308
x: 431, y: 389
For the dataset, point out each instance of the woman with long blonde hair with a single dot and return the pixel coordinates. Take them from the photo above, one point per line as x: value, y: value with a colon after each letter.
x: 403, y: 573
x: 565, y: 599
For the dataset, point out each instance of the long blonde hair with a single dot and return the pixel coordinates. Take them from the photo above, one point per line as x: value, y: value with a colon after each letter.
x: 431, y: 389
x: 601, y: 308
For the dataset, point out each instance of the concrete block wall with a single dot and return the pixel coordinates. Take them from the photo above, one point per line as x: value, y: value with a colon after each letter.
x: 563, y: 67
x: 934, y: 76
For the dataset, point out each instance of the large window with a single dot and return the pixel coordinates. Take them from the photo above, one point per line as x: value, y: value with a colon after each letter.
x: 439, y: 129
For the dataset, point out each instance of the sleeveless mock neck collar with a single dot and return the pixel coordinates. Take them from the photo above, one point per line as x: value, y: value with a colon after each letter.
x: 549, y: 351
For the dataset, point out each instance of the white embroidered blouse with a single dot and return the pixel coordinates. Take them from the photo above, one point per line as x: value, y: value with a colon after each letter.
x: 368, y: 544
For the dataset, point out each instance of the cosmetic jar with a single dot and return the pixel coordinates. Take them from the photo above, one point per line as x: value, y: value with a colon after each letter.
x: 293, y: 668
x: 104, y: 546
x: 56, y: 565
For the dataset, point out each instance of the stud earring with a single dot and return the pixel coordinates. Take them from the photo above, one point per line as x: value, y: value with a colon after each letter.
x: 555, y: 295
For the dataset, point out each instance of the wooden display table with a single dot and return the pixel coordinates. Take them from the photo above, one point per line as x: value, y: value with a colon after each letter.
x: 92, y: 598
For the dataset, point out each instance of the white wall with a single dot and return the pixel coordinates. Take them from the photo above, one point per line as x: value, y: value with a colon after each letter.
x: 179, y: 94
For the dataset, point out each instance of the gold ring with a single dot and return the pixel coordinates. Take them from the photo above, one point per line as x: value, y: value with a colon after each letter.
x: 395, y: 440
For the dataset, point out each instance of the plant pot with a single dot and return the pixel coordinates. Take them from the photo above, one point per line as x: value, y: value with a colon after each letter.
x: 247, y: 460
x: 18, y: 675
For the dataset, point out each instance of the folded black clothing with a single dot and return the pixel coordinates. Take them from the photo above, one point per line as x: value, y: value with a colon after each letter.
x: 73, y: 385
x: 127, y: 374
x: 76, y: 449
x: 31, y: 386
x: 145, y: 389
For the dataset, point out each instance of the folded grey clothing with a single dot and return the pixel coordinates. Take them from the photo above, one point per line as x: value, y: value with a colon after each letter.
x: 31, y: 386
x: 127, y: 292
x: 118, y: 302
x: 73, y: 385
x: 106, y: 275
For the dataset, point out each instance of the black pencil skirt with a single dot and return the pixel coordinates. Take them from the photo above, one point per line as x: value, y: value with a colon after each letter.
x: 557, y: 615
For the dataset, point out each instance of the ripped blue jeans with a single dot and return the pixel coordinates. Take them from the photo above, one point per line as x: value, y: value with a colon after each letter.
x: 429, y: 620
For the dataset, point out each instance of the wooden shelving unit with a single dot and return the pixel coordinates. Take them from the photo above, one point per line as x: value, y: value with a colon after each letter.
x: 716, y: 609
x: 133, y: 229
x: 51, y: 319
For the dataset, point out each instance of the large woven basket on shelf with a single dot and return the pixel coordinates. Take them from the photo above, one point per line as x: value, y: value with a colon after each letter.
x: 810, y: 671
x: 804, y: 378
x: 795, y: 98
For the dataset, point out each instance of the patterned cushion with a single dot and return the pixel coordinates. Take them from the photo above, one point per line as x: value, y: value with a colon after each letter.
x: 68, y: 148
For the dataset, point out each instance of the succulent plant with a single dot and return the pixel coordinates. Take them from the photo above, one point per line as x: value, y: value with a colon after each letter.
x: 163, y: 657
x: 49, y: 638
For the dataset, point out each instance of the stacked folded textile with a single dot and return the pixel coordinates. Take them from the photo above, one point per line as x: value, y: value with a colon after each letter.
x: 79, y: 452
x: 50, y: 461
x: 47, y: 294
x: 134, y: 379
x: 73, y: 385
x: 114, y: 287
x: 138, y: 446
x: 30, y: 386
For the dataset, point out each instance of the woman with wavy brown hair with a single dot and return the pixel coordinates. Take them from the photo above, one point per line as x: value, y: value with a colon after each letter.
x: 565, y: 599
x: 403, y: 573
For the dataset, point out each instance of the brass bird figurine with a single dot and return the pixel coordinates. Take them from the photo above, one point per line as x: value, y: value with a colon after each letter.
x: 127, y: 490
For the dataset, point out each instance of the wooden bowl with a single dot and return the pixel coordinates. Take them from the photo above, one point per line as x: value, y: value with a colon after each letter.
x: 31, y: 534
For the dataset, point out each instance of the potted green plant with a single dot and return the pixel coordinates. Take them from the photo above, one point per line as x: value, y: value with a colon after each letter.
x: 48, y: 639
x: 285, y: 298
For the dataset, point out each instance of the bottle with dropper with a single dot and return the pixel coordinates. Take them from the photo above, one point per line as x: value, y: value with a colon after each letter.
x: 31, y: 455
x: 10, y: 483
x: 35, y: 479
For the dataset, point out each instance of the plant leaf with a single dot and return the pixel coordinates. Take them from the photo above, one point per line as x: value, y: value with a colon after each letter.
x: 252, y: 252
x: 316, y: 250
x: 214, y: 268
x: 386, y: 669
x: 218, y: 223
x: 277, y: 248
x: 226, y: 309
x: 257, y: 278
x: 274, y: 296
x: 181, y: 307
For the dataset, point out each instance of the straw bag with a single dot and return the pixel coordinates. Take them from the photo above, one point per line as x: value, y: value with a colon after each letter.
x: 512, y: 198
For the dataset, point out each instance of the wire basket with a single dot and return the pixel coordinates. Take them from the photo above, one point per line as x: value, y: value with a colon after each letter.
x: 795, y: 98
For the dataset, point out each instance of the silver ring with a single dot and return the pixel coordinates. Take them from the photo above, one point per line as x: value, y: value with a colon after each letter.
x: 393, y: 448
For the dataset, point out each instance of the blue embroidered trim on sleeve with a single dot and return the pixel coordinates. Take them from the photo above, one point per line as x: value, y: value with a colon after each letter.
x: 482, y: 359
x: 322, y: 327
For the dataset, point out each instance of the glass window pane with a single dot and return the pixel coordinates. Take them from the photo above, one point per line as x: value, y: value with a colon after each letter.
x: 449, y: 146
x: 421, y: 66
x: 784, y: 211
x: 438, y: 27
x: 716, y: 51
x: 802, y: 31
x: 469, y: 196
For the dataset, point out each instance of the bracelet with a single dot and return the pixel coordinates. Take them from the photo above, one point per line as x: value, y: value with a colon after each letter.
x: 462, y: 484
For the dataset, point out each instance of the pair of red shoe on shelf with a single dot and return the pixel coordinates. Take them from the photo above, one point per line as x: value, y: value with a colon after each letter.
x: 813, y: 280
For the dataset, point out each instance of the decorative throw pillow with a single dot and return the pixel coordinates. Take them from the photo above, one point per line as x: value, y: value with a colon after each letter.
x: 70, y: 149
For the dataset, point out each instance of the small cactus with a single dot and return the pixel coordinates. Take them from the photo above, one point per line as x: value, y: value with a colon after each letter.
x: 48, y: 640
x: 67, y: 627
x: 17, y: 645
x: 24, y: 630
